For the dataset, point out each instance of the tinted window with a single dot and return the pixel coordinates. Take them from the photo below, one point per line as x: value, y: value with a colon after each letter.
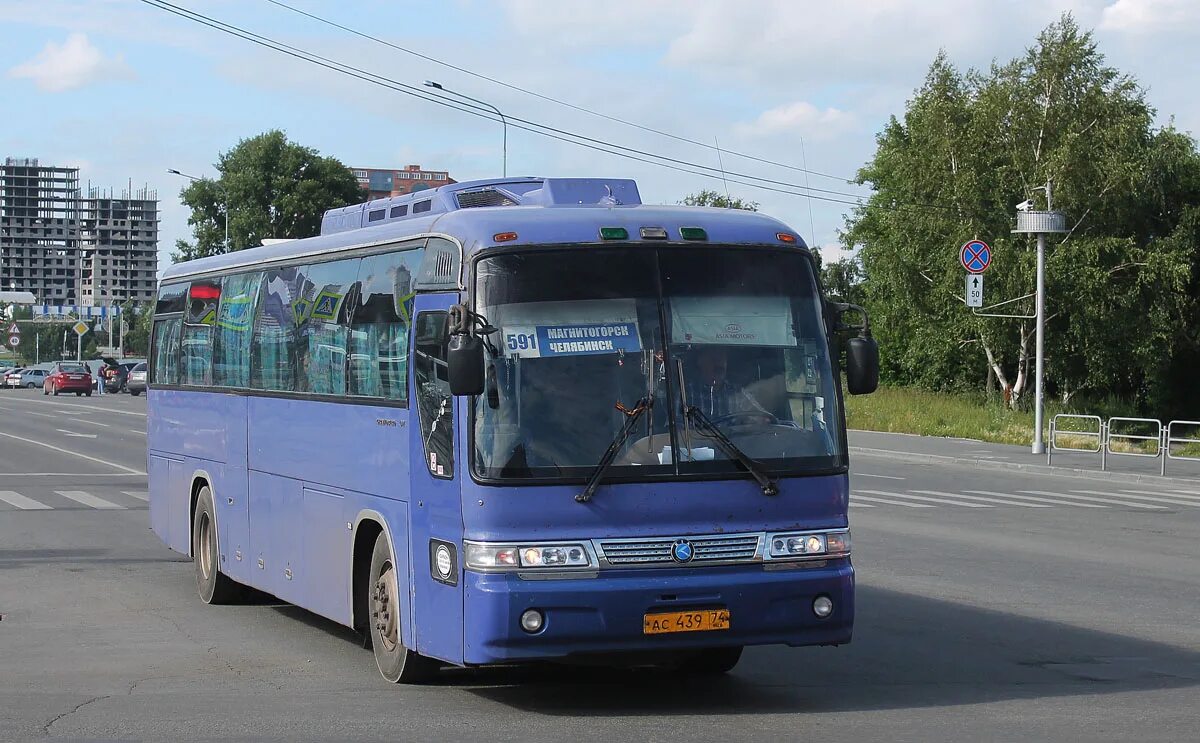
x: 198, y: 322
x: 235, y: 322
x: 171, y: 298
x: 166, y: 351
x: 328, y: 295
x: 434, y: 403
x: 378, y: 341
x: 399, y: 211
x: 281, y: 309
x: 421, y: 206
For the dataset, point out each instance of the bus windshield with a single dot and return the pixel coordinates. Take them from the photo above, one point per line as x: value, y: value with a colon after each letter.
x: 583, y: 335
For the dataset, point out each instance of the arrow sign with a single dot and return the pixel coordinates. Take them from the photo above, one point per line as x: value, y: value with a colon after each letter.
x: 974, y: 290
x: 976, y: 256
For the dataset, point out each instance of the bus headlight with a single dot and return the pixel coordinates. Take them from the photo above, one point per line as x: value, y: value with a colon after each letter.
x: 490, y: 557
x: 798, y: 545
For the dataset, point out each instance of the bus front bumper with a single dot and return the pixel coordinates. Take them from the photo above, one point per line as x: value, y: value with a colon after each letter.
x: 604, y: 614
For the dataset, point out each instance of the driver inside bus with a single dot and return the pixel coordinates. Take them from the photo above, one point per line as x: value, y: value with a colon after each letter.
x: 709, y: 388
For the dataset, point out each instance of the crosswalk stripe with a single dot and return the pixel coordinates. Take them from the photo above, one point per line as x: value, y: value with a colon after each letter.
x: 1172, y: 494
x: 21, y: 502
x: 1055, y: 501
x: 87, y: 499
x: 890, y: 494
x: 1106, y: 499
x: 882, y: 477
x: 856, y: 496
x: 140, y: 495
x: 985, y: 500
x: 1173, y: 500
x: 856, y: 504
x: 1185, y: 492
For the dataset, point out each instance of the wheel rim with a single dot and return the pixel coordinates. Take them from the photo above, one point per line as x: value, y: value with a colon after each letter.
x: 385, y: 607
x: 206, y: 549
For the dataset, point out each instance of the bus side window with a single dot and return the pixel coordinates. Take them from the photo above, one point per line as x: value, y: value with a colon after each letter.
x: 165, y: 369
x: 378, y: 343
x: 434, y: 402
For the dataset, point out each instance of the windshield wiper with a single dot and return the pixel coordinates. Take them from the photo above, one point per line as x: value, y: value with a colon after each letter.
x: 694, y: 415
x: 610, y: 454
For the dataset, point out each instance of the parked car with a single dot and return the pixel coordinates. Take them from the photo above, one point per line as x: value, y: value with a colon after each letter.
x: 136, y: 383
x: 68, y: 377
x: 32, y: 378
x: 11, y: 378
x: 115, y: 373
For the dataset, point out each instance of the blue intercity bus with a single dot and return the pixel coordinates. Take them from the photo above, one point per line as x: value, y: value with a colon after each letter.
x: 516, y: 420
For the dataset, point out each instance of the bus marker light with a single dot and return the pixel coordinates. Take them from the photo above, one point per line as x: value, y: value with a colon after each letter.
x: 785, y: 237
x: 693, y: 233
x: 532, y: 621
x: 822, y: 606
x: 654, y: 233
x: 614, y: 233
x: 504, y: 237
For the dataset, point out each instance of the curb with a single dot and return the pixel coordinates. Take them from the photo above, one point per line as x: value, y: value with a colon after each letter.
x: 983, y: 464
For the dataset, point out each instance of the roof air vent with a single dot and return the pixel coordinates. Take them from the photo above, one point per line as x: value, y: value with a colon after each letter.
x: 484, y: 197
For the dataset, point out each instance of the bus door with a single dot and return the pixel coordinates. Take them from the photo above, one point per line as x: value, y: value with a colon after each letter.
x: 435, y: 505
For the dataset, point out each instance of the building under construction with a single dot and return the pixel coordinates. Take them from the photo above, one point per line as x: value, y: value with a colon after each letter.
x: 70, y: 247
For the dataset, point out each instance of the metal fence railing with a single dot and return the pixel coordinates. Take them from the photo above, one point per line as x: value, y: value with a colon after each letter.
x: 1124, y: 437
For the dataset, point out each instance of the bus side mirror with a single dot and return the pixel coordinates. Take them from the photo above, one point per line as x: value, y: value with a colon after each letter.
x: 464, y: 362
x: 862, y: 365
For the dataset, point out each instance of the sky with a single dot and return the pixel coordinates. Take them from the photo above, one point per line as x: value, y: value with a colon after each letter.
x: 125, y: 91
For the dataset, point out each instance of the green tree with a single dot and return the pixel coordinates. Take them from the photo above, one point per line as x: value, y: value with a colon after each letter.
x: 273, y: 188
x: 971, y: 146
x: 843, y: 280
x: 708, y: 197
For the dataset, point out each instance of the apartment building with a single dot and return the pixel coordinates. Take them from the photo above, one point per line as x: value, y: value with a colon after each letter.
x: 70, y: 247
x: 380, y: 183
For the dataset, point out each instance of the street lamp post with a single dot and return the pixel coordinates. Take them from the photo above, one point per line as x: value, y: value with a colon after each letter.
x: 503, y: 121
x: 224, y: 205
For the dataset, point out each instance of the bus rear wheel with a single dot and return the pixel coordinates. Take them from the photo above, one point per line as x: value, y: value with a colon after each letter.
x: 396, y: 663
x: 214, y: 586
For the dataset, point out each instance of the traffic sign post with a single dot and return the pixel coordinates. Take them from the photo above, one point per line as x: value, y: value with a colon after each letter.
x: 80, y: 328
x: 974, y: 290
x: 975, y: 256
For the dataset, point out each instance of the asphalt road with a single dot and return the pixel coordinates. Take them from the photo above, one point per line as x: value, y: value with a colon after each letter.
x: 992, y: 604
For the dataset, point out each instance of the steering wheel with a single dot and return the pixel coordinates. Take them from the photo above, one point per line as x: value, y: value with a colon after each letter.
x: 746, y: 418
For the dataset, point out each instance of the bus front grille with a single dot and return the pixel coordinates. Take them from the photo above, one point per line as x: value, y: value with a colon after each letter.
x: 708, y: 549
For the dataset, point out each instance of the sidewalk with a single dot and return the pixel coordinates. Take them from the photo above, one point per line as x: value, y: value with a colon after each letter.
x: 912, y: 448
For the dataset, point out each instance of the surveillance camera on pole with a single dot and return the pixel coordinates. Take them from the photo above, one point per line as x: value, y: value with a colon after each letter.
x: 1040, y: 223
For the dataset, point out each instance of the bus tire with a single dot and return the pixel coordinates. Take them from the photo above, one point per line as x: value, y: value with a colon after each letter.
x: 710, y: 661
x: 214, y: 586
x: 397, y: 664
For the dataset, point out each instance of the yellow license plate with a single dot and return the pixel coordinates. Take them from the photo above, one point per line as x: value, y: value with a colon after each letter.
x: 685, y: 621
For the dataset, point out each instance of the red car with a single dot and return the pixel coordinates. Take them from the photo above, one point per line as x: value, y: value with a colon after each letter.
x: 68, y: 378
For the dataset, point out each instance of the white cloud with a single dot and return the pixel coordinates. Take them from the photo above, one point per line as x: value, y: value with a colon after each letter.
x: 799, y: 118
x: 1150, y: 16
x: 72, y: 64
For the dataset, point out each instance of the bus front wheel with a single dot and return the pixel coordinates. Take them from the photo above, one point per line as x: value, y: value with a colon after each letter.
x: 397, y: 663
x: 214, y: 586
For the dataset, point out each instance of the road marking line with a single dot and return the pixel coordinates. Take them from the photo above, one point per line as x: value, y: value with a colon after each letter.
x: 94, y: 423
x: 986, y: 500
x: 890, y: 494
x: 882, y: 477
x: 76, y: 435
x: 60, y: 450
x: 1165, y: 494
x: 856, y: 496
x: 855, y: 504
x: 1040, y: 500
x: 134, y: 430
x: 21, y: 502
x: 87, y: 499
x: 42, y: 415
x: 64, y: 474
x: 139, y: 494
x: 1184, y: 492
x: 1172, y: 500
x: 1106, y: 499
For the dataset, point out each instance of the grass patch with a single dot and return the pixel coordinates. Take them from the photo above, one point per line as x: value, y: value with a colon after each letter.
x: 908, y: 410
